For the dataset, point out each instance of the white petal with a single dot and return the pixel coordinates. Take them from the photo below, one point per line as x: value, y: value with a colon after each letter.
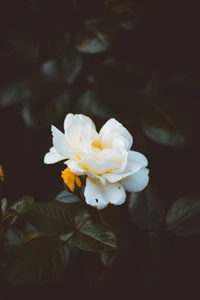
x: 79, y: 128
x: 78, y: 170
x: 84, y: 119
x: 138, y: 157
x: 132, y: 167
x: 122, y: 153
x: 88, y: 136
x: 136, y: 182
x: 73, y: 135
x: 114, y: 130
x: 99, y: 195
x: 68, y: 121
x: 80, y: 119
x: 52, y: 156
x: 60, y: 144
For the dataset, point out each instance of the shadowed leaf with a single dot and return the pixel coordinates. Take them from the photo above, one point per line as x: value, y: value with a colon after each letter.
x: 23, y: 205
x: 147, y: 209
x: 39, y: 261
x: 183, y: 217
x: 51, y: 218
x: 95, y: 238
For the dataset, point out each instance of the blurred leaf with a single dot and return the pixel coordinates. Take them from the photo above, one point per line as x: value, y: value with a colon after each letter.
x: 14, y: 93
x: 39, y: 261
x: 95, y: 238
x: 183, y: 217
x: 23, y: 43
x: 53, y: 43
x: 65, y: 69
x: 35, y: 43
x: 97, y: 36
x: 147, y: 208
x: 107, y: 258
x: 52, y: 218
x: 28, y: 237
x: 3, y: 205
x: 15, y: 236
x: 115, y: 218
x: 119, y: 91
x: 90, y: 105
x: 162, y: 129
x: 125, y: 16
x: 23, y: 205
x: 47, y: 105
x: 9, y: 218
x: 118, y: 255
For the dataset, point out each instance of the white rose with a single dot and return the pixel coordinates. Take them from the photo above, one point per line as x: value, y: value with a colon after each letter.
x: 105, y: 158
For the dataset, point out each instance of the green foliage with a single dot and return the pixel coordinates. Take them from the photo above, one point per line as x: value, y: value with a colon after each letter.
x: 51, y: 218
x: 147, y: 209
x: 23, y: 205
x: 183, y: 217
x: 40, y: 260
x: 136, y: 61
x: 115, y: 218
x: 94, y: 238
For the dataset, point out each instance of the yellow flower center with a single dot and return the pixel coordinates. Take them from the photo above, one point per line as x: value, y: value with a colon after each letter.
x: 71, y: 179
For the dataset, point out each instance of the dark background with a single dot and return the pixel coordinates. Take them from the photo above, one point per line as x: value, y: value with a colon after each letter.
x: 157, y: 58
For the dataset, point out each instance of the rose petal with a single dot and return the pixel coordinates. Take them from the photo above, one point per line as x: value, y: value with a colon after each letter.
x: 114, y: 130
x: 78, y: 170
x: 99, y: 195
x: 52, y: 156
x: 132, y: 167
x: 136, y: 182
x: 138, y: 157
x: 60, y: 144
x: 88, y: 136
x: 77, y: 118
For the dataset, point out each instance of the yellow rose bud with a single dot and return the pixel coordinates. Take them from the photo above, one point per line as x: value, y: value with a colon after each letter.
x: 1, y: 173
x: 71, y: 179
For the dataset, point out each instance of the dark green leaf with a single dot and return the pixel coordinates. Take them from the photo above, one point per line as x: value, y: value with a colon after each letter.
x: 47, y: 105
x: 39, y: 261
x: 118, y: 255
x: 3, y: 205
x: 66, y: 197
x: 147, y: 208
x: 81, y: 217
x: 162, y: 129
x: 23, y: 205
x: 95, y: 238
x: 89, y: 104
x: 14, y: 94
x: 23, y: 43
x: 65, y: 69
x: 15, y: 236
x: 70, y: 202
x: 115, y: 218
x: 51, y: 218
x: 9, y: 218
x: 183, y: 217
x: 97, y: 36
